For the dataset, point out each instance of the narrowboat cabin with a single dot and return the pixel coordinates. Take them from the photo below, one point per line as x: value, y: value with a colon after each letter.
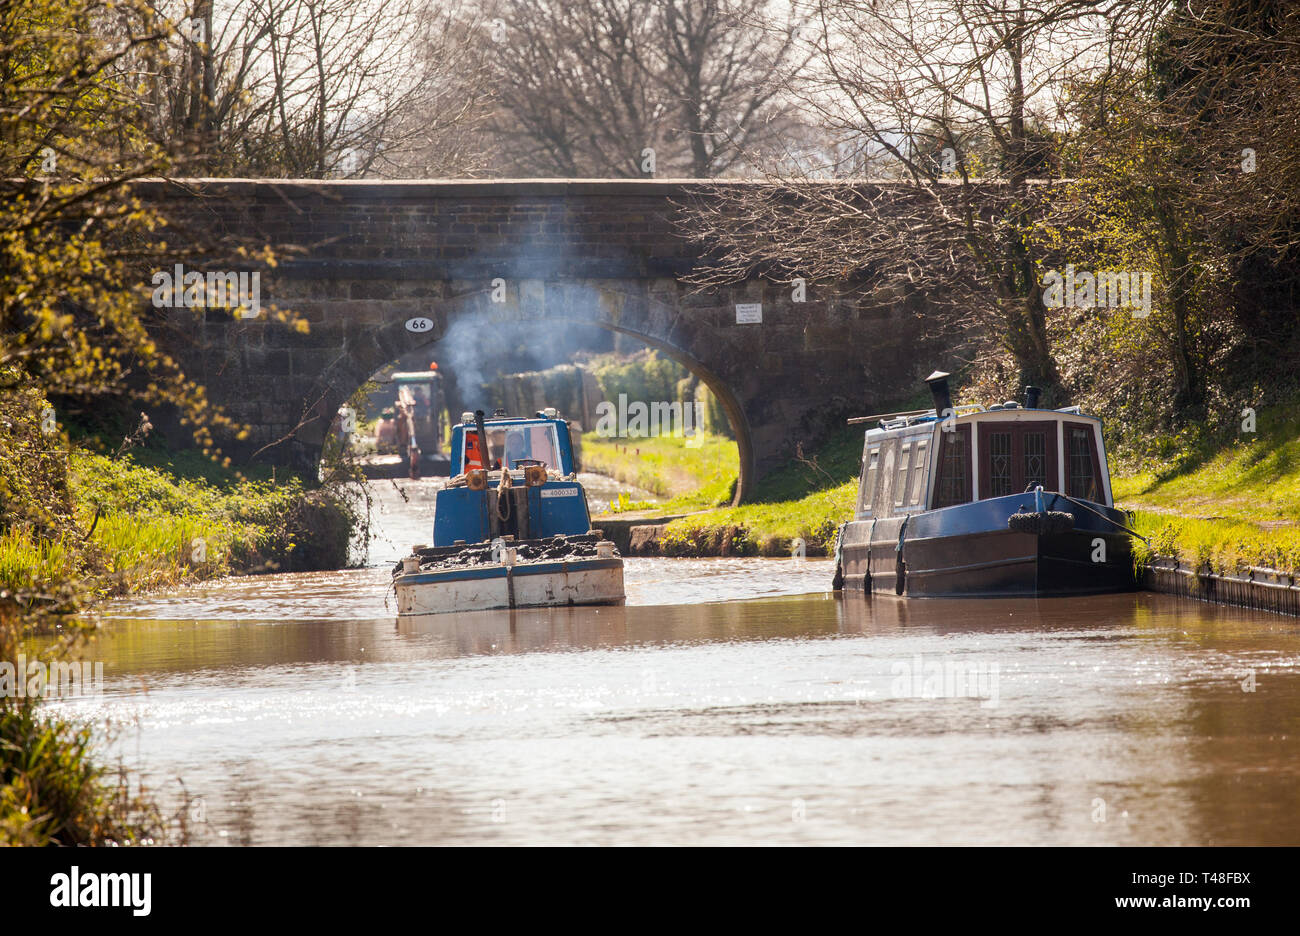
x: 1005, y: 500
x: 511, y: 529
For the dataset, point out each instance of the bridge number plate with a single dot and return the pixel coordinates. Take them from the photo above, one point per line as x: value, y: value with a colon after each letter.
x: 749, y: 313
x: 419, y: 325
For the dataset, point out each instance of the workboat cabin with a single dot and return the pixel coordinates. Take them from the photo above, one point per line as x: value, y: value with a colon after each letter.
x: 1007, y: 499
x: 511, y: 528
x: 540, y: 495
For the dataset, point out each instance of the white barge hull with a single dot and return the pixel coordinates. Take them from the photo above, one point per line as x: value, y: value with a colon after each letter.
x: 526, y: 585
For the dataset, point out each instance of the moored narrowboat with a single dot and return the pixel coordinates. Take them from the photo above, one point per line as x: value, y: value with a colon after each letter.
x: 511, y: 529
x: 1004, y: 500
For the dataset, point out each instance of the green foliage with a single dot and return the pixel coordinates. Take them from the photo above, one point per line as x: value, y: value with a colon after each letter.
x: 29, y: 564
x: 147, y: 533
x: 1228, y: 505
x: 648, y: 377
x: 1222, y: 546
x: 53, y: 793
x: 645, y: 376
x: 694, y: 478
x: 765, y: 529
x: 625, y: 504
x: 33, y: 473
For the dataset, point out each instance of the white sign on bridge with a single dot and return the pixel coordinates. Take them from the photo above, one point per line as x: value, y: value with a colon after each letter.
x: 749, y: 313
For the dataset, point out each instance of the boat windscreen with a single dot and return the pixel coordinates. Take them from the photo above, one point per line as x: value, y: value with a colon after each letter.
x: 532, y: 442
x: 517, y: 443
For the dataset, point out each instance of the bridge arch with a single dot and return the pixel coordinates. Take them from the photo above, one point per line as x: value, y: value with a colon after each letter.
x: 523, y: 303
x: 359, y: 258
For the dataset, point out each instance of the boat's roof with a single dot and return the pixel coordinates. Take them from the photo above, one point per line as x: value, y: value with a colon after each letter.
x: 511, y: 421
x: 975, y: 413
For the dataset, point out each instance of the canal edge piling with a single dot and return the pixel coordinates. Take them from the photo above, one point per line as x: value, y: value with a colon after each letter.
x: 1259, y: 588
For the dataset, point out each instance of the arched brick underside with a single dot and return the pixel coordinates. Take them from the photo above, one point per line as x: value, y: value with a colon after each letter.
x: 359, y: 259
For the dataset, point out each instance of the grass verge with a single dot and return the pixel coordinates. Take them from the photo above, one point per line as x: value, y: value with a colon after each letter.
x: 1228, y: 508
x: 806, y: 499
x: 76, y: 527
x: 692, y: 478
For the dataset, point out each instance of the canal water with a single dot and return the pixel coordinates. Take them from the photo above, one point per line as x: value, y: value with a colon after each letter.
x: 730, y: 701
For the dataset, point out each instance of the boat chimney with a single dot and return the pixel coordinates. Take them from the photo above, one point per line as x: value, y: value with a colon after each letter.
x: 483, y: 449
x: 938, y: 382
x: 1032, y: 395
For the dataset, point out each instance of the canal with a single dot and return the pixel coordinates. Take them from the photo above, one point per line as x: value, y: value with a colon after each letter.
x: 730, y: 701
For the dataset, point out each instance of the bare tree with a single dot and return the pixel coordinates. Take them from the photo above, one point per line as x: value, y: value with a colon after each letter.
x: 1193, y: 175
x: 958, y: 104
x: 441, y: 128
x: 315, y: 88
x: 587, y: 87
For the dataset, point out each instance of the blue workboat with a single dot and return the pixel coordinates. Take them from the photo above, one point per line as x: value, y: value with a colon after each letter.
x: 1008, y: 499
x: 511, y: 528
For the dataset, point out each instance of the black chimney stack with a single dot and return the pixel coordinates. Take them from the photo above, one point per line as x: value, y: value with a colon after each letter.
x: 1031, y: 396
x: 483, y: 449
x: 938, y: 382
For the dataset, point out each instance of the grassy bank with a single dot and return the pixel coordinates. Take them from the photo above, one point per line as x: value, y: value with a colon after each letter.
x: 805, y: 499
x: 159, y: 526
x: 692, y: 478
x: 54, y: 792
x: 1227, y: 506
x: 133, y: 528
x: 77, y: 526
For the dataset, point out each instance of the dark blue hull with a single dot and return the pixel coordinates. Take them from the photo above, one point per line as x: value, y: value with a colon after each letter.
x: 970, y: 551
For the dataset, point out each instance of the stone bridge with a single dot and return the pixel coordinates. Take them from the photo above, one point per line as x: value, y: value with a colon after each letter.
x: 359, y: 259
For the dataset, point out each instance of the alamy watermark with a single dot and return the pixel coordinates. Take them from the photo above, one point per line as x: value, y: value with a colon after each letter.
x: 33, y: 679
x: 1115, y: 289
x: 919, y: 678
x: 75, y: 888
x: 178, y: 289
x: 640, y: 420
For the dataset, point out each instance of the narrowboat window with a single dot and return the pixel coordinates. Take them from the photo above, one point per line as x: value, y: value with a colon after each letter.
x: 886, y: 476
x: 1016, y: 456
x: 900, y: 486
x: 1083, y: 480
x: 919, y: 465
x: 869, y: 480
x: 954, y: 482
x: 1035, y: 458
x: 999, y: 464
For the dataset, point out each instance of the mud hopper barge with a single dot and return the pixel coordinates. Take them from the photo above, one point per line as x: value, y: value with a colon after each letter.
x: 511, y: 529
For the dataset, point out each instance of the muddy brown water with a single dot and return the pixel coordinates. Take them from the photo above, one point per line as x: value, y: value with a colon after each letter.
x: 730, y: 701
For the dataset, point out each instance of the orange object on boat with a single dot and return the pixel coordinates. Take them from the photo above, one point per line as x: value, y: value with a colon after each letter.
x: 473, y: 453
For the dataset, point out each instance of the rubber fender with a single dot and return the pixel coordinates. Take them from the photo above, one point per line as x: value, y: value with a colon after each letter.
x: 1042, y: 522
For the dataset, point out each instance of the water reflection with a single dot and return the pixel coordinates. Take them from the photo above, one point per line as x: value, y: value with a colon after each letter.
x: 303, y: 712
x: 730, y: 701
